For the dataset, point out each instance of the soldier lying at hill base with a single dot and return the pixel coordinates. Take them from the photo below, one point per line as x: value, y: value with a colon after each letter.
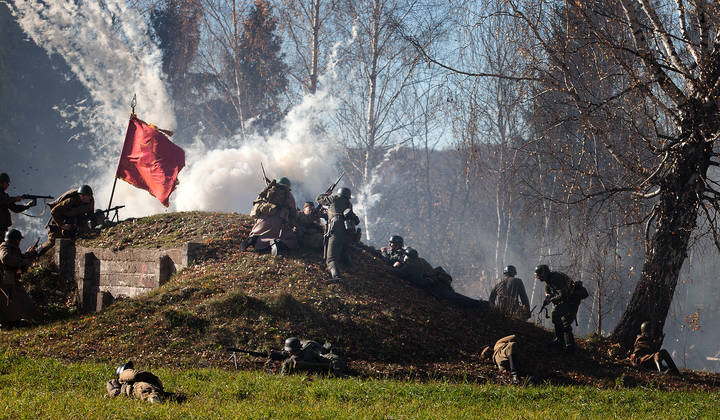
x: 504, y: 355
x: 136, y: 384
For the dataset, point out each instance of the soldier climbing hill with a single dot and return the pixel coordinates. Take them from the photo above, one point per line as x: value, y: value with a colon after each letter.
x: 507, y: 292
x: 275, y: 213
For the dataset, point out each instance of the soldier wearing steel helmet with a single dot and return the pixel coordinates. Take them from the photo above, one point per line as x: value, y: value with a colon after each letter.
x: 275, y: 212
x: 70, y: 214
x: 505, y: 355
x: 394, y: 252
x: 647, y: 351
x: 137, y: 384
x: 558, y: 292
x: 339, y: 231
x: 309, y: 355
x: 8, y: 204
x: 509, y: 295
x: 15, y: 305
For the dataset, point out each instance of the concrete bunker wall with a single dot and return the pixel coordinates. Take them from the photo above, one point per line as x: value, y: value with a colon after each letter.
x: 102, y: 275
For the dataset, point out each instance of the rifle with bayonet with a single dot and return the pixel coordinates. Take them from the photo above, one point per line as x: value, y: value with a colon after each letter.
x: 274, y: 355
x: 332, y: 187
x: 267, y: 180
x: 35, y: 197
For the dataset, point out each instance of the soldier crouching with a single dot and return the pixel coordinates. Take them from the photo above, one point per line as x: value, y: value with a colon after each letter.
x: 136, y: 384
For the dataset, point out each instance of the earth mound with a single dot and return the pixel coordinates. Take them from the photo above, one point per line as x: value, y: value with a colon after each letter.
x: 383, y: 326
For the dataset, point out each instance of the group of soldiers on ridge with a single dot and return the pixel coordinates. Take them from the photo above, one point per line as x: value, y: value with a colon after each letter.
x: 280, y: 227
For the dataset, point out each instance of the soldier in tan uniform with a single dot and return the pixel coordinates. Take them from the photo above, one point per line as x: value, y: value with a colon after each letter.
x: 275, y: 213
x: 15, y: 304
x: 136, y: 384
x: 309, y: 229
x: 504, y: 355
x: 70, y: 214
x: 648, y: 354
x: 8, y: 204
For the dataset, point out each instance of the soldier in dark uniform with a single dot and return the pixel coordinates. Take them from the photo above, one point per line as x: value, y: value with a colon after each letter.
x: 648, y: 353
x: 308, y: 355
x: 70, y: 214
x: 15, y: 304
x: 557, y: 292
x: 339, y: 230
x: 137, y: 384
x: 420, y: 273
x: 505, y: 355
x: 507, y: 293
x: 394, y: 252
x: 8, y: 204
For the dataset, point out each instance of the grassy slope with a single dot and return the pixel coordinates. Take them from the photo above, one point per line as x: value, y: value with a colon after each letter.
x: 46, y: 388
x: 387, y: 328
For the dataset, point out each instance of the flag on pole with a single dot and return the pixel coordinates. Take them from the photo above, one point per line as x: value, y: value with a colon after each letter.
x: 149, y: 160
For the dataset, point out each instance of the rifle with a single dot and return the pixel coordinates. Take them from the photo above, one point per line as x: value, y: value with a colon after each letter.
x: 35, y: 197
x: 546, y: 302
x: 332, y: 187
x: 267, y: 180
x: 272, y: 355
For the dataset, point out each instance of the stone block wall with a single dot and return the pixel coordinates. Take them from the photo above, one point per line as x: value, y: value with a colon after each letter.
x: 102, y: 275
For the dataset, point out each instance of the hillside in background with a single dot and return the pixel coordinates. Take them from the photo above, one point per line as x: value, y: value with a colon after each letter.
x: 385, y: 327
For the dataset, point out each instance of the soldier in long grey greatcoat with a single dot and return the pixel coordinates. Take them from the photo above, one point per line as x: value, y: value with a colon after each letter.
x: 507, y: 292
x: 339, y: 230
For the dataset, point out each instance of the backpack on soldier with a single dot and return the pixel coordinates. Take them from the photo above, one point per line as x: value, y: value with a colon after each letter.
x: 578, y: 292
x: 275, y: 193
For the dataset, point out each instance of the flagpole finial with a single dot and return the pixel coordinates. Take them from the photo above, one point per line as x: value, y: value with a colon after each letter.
x: 133, y: 103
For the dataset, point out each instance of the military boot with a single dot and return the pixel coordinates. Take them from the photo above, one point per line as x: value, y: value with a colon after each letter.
x: 672, y: 368
x: 558, y: 341
x: 334, y: 275
x: 275, y: 248
x: 569, y: 343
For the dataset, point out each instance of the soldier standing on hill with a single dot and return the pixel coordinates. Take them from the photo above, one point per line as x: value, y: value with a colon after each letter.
x: 275, y: 212
x: 394, y: 252
x: 504, y: 354
x: 340, y: 229
x: 8, y: 204
x: 560, y: 292
x: 15, y: 305
x: 648, y: 354
x: 507, y: 293
x: 70, y: 214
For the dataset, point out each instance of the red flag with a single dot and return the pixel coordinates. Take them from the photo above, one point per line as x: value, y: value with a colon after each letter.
x: 149, y: 160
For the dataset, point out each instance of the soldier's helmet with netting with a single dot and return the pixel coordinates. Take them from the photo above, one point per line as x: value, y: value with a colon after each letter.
x: 645, y: 328
x: 85, y: 190
x: 510, y: 270
x: 4, y: 177
x: 128, y: 365
x: 396, y: 239
x: 284, y: 181
x: 13, y: 235
x: 292, y: 344
x: 345, y: 192
x: 542, y: 270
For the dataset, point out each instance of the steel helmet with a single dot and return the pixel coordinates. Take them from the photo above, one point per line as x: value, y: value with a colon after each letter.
x: 128, y: 365
x: 4, y: 177
x: 13, y: 235
x: 396, y: 239
x: 284, y: 181
x: 542, y: 270
x: 345, y: 192
x: 85, y: 190
x: 510, y: 270
x: 292, y: 344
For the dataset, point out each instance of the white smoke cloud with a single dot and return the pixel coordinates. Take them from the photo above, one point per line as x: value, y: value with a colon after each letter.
x: 106, y: 45
x: 229, y: 179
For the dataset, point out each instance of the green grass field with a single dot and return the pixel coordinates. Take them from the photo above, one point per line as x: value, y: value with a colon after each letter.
x: 46, y: 388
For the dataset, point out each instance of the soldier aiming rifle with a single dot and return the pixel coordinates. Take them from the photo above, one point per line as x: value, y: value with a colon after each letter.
x: 298, y: 355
